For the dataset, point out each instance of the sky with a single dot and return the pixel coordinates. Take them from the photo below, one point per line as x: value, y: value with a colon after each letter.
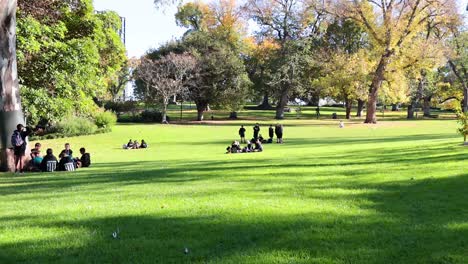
x: 148, y: 27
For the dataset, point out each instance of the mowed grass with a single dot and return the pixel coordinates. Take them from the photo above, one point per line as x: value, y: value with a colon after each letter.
x: 396, y: 192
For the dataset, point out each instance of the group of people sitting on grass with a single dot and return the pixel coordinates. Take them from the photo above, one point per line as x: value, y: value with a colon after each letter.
x: 277, y: 130
x: 49, y: 162
x: 135, y: 145
x: 45, y: 163
x: 252, y: 146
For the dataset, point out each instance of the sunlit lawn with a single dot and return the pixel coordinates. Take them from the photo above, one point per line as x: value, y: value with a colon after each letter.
x: 396, y: 192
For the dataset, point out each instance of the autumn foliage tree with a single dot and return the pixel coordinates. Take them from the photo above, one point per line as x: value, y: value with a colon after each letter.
x: 391, y: 25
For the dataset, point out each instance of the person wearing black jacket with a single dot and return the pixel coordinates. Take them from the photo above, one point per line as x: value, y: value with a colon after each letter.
x: 85, y: 160
x: 18, y: 140
x: 242, y: 134
x: 271, y: 132
x: 49, y: 157
x: 256, y: 131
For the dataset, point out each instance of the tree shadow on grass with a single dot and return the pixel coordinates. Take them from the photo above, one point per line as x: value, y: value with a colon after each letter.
x: 406, y: 222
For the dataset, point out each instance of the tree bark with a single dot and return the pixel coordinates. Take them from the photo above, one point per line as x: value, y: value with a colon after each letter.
x: 201, y: 108
x: 164, y: 111
x: 465, y: 99
x: 349, y: 105
x: 10, y: 102
x: 464, y: 83
x: 427, y: 106
x: 371, y: 116
x: 265, y: 105
x: 411, y: 107
x: 282, y: 103
x: 360, y: 107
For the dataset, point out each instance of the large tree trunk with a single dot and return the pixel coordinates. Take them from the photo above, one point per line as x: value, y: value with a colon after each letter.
x: 464, y: 82
x: 411, y: 107
x: 201, y: 108
x: 164, y: 111
x: 282, y: 103
x: 465, y: 99
x: 349, y: 105
x: 427, y: 106
x: 360, y: 107
x: 265, y: 105
x: 10, y: 102
x: 371, y: 116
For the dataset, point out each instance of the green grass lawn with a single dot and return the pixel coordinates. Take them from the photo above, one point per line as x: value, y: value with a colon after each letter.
x: 396, y: 192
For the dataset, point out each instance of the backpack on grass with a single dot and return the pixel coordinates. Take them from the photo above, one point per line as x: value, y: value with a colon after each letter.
x: 16, y: 139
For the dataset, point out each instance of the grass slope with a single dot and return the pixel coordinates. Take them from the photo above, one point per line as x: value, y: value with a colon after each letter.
x: 391, y: 193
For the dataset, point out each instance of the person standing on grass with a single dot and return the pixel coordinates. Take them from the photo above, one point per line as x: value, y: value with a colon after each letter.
x: 18, y: 140
x: 256, y: 131
x: 317, y: 111
x: 279, y: 133
x: 271, y: 133
x: 242, y: 134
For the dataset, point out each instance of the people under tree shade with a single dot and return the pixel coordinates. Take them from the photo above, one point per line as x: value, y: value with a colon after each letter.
x: 271, y: 133
x: 18, y: 140
x: 317, y: 112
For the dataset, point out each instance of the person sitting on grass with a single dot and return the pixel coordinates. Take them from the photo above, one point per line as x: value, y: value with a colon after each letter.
x: 85, y: 160
x: 49, y: 157
x: 143, y: 144
x: 341, y: 124
x: 37, y: 148
x: 136, y: 145
x: 248, y: 148
x: 235, y: 147
x: 35, y: 164
x: 258, y: 146
x: 67, y: 152
x: 66, y: 156
x: 130, y: 144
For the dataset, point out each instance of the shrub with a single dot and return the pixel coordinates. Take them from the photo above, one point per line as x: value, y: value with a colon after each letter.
x: 75, y: 126
x: 105, y: 119
x: 121, y: 107
x: 152, y: 116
